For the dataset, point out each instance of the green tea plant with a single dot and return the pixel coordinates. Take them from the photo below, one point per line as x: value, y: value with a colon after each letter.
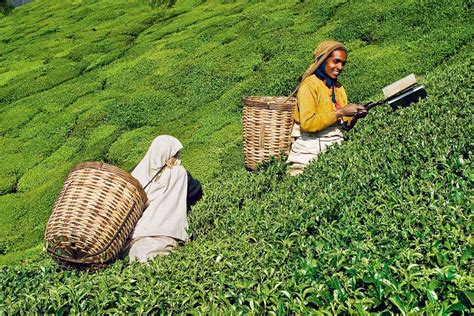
x: 381, y: 224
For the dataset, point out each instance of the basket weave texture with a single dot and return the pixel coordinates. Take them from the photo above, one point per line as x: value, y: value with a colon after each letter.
x: 266, y: 127
x: 97, y: 209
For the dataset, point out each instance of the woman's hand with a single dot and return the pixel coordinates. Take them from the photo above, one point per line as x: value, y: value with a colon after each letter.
x: 352, y: 110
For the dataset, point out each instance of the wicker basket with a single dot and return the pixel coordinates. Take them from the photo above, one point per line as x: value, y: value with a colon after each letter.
x: 267, y: 123
x: 95, y: 212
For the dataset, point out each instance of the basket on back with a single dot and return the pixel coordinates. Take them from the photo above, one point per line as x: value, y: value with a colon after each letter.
x: 95, y: 212
x: 267, y: 123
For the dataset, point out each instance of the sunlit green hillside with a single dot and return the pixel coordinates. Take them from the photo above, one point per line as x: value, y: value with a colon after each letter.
x: 382, y: 223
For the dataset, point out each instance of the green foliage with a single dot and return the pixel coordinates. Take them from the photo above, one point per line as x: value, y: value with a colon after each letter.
x: 161, y: 3
x: 381, y: 224
x: 5, y: 7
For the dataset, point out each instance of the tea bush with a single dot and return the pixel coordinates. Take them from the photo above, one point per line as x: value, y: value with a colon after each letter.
x: 381, y: 224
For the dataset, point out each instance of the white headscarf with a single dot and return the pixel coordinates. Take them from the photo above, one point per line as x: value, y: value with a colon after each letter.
x: 166, y: 214
x: 162, y: 148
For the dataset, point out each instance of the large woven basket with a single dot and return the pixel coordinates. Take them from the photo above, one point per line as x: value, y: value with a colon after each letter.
x: 94, y: 214
x: 267, y: 123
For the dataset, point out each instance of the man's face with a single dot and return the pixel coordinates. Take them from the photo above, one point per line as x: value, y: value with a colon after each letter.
x: 335, y: 63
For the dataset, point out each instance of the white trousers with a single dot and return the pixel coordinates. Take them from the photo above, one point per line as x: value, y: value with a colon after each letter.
x: 307, y: 146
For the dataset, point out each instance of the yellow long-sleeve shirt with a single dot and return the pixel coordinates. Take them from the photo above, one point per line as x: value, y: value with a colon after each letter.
x: 315, y: 110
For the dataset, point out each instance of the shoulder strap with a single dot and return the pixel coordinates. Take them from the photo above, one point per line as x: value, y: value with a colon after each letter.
x: 169, y: 163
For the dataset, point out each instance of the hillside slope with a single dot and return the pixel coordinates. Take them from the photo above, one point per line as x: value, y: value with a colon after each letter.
x: 382, y: 223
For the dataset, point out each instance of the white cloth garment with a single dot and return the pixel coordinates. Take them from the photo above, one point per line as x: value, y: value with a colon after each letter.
x: 146, y: 248
x: 307, y: 146
x: 164, y: 222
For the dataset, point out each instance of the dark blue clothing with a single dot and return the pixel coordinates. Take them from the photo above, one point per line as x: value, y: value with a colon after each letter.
x: 194, y: 191
x: 330, y: 83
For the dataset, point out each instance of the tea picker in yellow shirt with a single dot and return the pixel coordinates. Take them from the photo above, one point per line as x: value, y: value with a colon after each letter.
x: 322, y: 111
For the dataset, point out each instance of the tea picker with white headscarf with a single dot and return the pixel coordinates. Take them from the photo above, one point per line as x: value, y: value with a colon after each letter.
x: 170, y: 193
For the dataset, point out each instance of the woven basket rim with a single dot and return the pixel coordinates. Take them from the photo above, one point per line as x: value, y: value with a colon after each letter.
x: 270, y: 102
x: 99, y: 165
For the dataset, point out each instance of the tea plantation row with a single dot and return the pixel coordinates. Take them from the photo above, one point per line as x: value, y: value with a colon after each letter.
x: 382, y: 223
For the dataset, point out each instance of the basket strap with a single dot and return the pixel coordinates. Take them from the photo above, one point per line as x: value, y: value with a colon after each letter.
x: 153, y: 178
x: 169, y: 163
x: 293, y: 93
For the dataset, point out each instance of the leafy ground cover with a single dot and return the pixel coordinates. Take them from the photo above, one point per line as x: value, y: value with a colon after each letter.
x: 382, y: 223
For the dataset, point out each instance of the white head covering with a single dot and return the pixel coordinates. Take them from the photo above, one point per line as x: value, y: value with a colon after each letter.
x: 166, y: 214
x: 162, y: 148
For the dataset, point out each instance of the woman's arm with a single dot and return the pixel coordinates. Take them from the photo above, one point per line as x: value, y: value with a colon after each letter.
x: 194, y: 191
